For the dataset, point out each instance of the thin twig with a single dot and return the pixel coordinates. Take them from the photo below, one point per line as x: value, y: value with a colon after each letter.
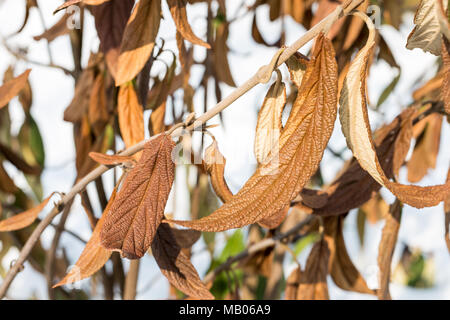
x: 131, y: 280
x: 340, y: 11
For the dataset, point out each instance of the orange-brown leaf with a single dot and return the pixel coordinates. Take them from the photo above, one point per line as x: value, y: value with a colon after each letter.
x: 387, y: 246
x: 109, y: 160
x: 302, y: 143
x: 342, y: 270
x: 447, y: 217
x: 94, y: 256
x: 175, y: 265
x: 138, y: 39
x: 131, y: 115
x: 139, y: 206
x: 292, y: 283
x: 178, y: 11
x: 11, y: 88
x: 58, y: 29
x: 313, y: 281
x: 23, y: 219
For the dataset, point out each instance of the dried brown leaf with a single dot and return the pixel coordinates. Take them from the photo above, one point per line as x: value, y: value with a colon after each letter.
x: 93, y: 256
x: 157, y: 120
x: 98, y: 108
x: 11, y: 88
x: 23, y: 219
x: 131, y: 115
x: 356, y: 128
x: 138, y: 39
x: 110, y: 160
x: 58, y: 29
x: 387, y: 246
x: 292, y: 283
x: 69, y: 3
x: 445, y: 94
x: 139, y: 206
x: 178, y: 11
x: 447, y: 217
x: 313, y: 281
x: 110, y: 21
x: 341, y: 268
x: 430, y: 25
x: 175, y: 265
x: 268, y: 126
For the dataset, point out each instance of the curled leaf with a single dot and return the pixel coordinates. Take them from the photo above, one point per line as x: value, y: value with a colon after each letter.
x: 313, y: 281
x: 139, y: 206
x: 110, y: 160
x: 175, y: 265
x: 23, y: 219
x: 178, y: 11
x: 387, y: 246
x: 11, y: 88
x: 356, y: 128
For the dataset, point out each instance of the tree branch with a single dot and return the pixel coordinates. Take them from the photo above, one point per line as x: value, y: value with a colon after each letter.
x: 324, y: 24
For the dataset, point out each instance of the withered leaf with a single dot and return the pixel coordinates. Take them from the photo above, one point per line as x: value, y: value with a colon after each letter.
x: 23, y: 219
x: 175, y: 265
x: 156, y: 123
x: 426, y: 149
x: 18, y: 161
x: 354, y: 119
x: 11, y: 88
x: 297, y: 66
x: 138, y: 39
x: 131, y: 115
x: 94, y: 256
x: 342, y: 270
x: 220, y: 55
x: 58, y: 29
x: 139, y: 206
x: 313, y: 281
x: 110, y: 20
x: 214, y: 164
x: 185, y: 238
x: 354, y: 186
x: 276, y: 183
x: 268, y: 126
x: 108, y: 160
x: 430, y: 24
x: 292, y: 283
x: 98, y: 108
x: 6, y: 183
x: 387, y: 246
x: 178, y: 11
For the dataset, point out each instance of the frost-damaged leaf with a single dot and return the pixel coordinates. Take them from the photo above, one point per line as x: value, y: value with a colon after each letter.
x: 12, y: 88
x: 94, y: 256
x: 313, y: 281
x: 268, y: 127
x: 131, y: 115
x: 292, y: 283
x: 139, y: 206
x: 110, y: 20
x: 178, y: 11
x: 447, y: 217
x: 342, y: 270
x: 387, y: 246
x: 138, y: 39
x: 175, y: 265
x: 108, y: 160
x: 354, y: 186
x: 431, y: 23
x: 426, y: 149
x: 302, y: 144
x: 23, y: 219
x: 356, y: 128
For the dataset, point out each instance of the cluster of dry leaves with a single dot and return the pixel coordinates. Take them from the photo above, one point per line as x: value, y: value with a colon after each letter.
x: 115, y: 88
